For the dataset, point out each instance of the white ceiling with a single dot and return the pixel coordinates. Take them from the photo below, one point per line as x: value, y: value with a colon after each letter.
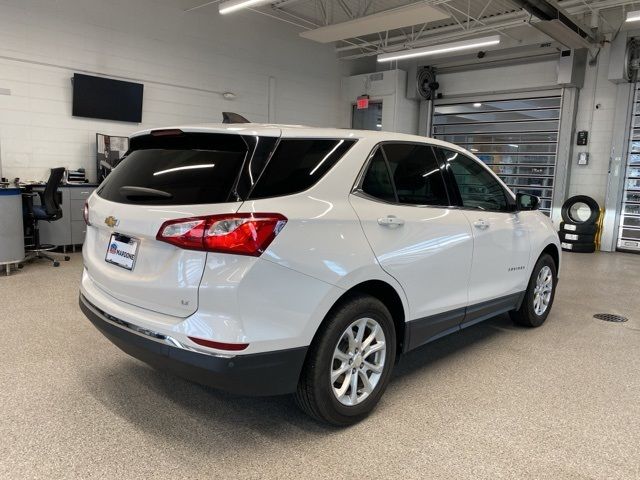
x: 457, y: 19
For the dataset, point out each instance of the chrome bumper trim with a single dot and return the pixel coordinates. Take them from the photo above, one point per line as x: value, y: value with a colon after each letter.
x: 147, y: 333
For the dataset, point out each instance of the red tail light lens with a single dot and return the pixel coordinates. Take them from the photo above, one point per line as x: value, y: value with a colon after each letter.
x: 85, y: 213
x: 238, y: 233
x: 219, y: 345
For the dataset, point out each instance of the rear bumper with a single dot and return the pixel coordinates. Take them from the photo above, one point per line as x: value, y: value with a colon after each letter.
x: 270, y: 373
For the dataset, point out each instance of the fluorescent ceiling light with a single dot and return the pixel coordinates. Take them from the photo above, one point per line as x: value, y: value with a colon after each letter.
x: 633, y: 16
x: 234, y: 5
x: 477, y: 105
x: 443, y: 48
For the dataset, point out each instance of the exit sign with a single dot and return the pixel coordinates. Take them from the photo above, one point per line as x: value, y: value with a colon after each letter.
x: 362, y: 102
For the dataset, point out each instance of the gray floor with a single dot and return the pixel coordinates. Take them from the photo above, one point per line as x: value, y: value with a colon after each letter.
x: 495, y: 401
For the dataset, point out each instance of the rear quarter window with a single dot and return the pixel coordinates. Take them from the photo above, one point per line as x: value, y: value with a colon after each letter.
x: 297, y: 165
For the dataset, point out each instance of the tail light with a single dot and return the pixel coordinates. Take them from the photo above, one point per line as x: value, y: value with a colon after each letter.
x: 239, y: 233
x: 85, y: 213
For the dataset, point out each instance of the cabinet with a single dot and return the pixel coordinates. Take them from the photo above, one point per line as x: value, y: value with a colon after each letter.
x: 70, y: 229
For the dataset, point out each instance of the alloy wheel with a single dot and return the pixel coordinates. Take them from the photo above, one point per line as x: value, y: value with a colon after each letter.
x: 358, y: 361
x: 543, y: 290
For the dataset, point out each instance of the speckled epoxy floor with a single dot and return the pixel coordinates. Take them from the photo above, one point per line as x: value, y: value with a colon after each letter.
x: 495, y: 401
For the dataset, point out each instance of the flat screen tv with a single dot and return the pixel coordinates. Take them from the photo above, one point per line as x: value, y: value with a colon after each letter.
x: 98, y: 97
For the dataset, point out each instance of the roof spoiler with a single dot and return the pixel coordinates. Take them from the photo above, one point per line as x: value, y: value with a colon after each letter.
x: 230, y: 117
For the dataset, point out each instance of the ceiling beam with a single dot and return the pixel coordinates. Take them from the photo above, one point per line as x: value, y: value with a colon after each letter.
x: 377, y: 22
x: 505, y: 21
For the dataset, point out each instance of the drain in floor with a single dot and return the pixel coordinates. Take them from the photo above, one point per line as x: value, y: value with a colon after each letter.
x: 610, y: 317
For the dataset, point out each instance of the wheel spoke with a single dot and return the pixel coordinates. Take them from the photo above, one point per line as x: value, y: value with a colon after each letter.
x: 345, y: 385
x: 362, y: 326
x: 336, y: 373
x: 370, y: 338
x: 351, y: 339
x: 366, y: 384
x: 353, y: 396
x: 340, y: 355
x: 372, y: 367
x: 373, y: 349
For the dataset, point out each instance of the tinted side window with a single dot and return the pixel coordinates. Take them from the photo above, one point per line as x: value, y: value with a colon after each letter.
x: 297, y: 164
x: 416, y: 174
x: 377, y: 181
x: 478, y: 188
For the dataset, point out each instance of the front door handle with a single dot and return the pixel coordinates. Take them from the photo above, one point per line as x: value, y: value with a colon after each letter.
x: 390, y: 221
x: 481, y: 224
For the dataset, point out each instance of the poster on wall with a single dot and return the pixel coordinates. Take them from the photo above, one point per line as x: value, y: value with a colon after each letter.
x: 109, y: 151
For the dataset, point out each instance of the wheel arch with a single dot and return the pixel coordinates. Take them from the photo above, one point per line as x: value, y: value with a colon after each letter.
x: 382, y: 291
x: 554, y: 253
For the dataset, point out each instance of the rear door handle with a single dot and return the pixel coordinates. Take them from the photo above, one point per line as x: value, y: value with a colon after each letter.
x: 481, y: 224
x: 390, y: 221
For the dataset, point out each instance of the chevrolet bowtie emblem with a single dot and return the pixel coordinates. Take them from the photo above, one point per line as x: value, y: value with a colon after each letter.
x: 111, y: 221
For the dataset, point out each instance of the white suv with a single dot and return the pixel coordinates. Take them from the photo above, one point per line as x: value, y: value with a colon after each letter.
x: 266, y: 259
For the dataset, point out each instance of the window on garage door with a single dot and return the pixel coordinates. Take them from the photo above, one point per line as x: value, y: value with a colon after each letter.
x: 516, y: 138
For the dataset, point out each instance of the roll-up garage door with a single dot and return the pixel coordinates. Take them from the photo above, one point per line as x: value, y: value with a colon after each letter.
x: 629, y: 230
x: 516, y: 138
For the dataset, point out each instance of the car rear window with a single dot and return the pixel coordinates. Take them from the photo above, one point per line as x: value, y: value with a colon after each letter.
x: 298, y: 164
x: 178, y: 170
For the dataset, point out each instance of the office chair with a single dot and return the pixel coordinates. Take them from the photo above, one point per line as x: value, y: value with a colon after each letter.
x: 48, y: 210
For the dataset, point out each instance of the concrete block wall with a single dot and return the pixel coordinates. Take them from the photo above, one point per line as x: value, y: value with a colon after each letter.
x: 598, y: 91
x: 185, y: 61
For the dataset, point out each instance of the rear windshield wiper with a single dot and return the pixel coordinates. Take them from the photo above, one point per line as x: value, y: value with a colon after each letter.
x: 131, y: 191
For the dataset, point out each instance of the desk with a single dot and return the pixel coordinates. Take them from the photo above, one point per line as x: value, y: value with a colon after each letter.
x: 11, y: 227
x: 70, y: 229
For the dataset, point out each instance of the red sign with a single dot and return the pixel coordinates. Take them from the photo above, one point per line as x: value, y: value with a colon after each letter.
x: 363, y: 102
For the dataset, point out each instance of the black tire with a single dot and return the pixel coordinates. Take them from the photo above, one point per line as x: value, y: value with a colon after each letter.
x: 67, y: 258
x: 578, y: 228
x: 56, y: 264
x: 588, y: 201
x: 315, y: 394
x: 526, y: 314
x: 569, y: 237
x: 578, y: 247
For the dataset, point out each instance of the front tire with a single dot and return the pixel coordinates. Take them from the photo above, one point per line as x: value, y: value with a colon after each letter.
x: 349, y: 363
x: 540, y: 293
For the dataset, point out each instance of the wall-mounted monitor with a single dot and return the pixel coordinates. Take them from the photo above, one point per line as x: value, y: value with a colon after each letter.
x: 98, y: 97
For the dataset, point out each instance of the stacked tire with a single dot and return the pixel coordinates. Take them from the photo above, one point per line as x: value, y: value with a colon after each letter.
x: 578, y: 235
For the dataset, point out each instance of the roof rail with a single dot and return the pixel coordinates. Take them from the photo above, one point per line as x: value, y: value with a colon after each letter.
x: 230, y: 117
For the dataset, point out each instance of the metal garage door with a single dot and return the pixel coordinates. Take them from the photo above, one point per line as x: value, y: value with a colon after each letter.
x: 517, y: 138
x: 629, y: 230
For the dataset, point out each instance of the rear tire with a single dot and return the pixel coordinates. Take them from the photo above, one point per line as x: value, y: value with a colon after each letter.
x: 538, y: 298
x: 320, y: 389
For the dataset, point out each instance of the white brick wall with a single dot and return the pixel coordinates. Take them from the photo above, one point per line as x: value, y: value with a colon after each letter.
x: 183, y: 59
x: 598, y: 90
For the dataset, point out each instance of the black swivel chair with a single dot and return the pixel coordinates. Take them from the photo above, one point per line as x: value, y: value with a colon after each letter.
x: 48, y: 210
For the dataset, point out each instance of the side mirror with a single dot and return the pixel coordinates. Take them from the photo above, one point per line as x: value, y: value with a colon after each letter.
x: 525, y: 201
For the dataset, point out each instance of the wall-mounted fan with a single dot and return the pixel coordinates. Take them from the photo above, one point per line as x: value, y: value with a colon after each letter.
x: 632, y: 60
x: 426, y: 83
